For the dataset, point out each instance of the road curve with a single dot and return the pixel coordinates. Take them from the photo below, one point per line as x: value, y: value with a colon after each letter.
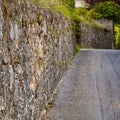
x: 90, y: 89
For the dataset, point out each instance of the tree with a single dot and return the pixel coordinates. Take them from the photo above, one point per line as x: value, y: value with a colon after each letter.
x: 108, y: 10
x: 94, y: 2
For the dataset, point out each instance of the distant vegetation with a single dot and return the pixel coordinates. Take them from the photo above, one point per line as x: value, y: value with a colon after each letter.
x: 117, y: 35
x: 107, y: 10
x: 68, y: 3
x: 94, y: 2
x: 66, y: 8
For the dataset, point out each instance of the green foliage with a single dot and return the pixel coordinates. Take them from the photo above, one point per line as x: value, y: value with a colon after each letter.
x: 52, y: 3
x: 46, y: 3
x: 83, y: 15
x: 117, y: 34
x: 94, y: 14
x: 57, y: 6
x: 77, y: 49
x: 68, y: 3
x: 65, y: 7
x: 108, y: 10
x: 77, y: 30
x: 63, y: 10
x: 81, y: 11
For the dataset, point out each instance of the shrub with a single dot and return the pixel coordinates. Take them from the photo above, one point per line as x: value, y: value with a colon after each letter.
x: 68, y: 3
x: 108, y: 10
x: 117, y: 35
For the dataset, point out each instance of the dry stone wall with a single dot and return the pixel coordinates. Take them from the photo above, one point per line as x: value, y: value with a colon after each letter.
x: 98, y: 37
x: 35, y: 49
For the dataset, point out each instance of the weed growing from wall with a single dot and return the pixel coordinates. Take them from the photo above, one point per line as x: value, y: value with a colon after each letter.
x: 77, y: 49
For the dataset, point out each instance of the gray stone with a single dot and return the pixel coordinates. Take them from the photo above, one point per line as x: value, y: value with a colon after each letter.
x: 1, y: 24
x: 98, y: 37
x: 33, y: 58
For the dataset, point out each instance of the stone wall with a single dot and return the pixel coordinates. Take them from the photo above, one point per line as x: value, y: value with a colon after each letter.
x: 98, y: 37
x: 35, y: 49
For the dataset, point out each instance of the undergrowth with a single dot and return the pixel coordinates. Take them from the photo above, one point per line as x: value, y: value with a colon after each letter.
x: 77, y: 49
x: 66, y: 8
x: 117, y: 35
x: 108, y: 10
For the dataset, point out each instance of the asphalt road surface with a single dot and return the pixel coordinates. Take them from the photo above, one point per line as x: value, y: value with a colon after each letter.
x: 90, y: 89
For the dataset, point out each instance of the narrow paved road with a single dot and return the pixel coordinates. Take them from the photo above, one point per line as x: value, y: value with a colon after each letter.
x: 90, y: 89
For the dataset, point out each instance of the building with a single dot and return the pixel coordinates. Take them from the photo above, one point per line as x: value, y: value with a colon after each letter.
x: 80, y: 3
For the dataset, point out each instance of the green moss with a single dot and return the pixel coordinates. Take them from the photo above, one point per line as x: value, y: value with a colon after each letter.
x: 32, y: 22
x: 43, y: 118
x: 39, y: 19
x: 40, y: 61
x: 69, y: 62
x: 77, y: 49
x: 47, y: 107
x: 57, y: 64
x: 37, y: 52
x: 52, y: 31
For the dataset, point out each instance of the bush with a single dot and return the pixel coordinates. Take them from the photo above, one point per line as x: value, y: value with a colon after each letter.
x: 68, y: 3
x: 108, y: 10
x: 117, y: 35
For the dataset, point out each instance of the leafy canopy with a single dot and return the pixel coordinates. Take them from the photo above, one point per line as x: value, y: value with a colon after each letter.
x: 107, y: 9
